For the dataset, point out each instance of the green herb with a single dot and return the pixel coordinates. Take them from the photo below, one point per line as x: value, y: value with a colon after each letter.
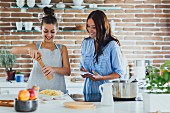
x: 7, y: 59
x: 158, y: 78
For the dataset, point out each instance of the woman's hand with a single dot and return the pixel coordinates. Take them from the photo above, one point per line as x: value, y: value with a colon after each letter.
x: 48, y: 70
x: 95, y: 76
x: 34, y: 53
x: 82, y: 69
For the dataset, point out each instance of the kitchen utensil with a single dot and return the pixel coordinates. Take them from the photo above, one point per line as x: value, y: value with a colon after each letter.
x: 139, y: 69
x: 20, y: 3
x: 60, y: 5
x: 107, y: 98
x: 26, y: 106
x: 125, y: 89
x: 7, y: 103
x: 19, y: 25
x: 45, y: 2
x: 79, y: 105
x: 30, y: 3
x: 28, y: 25
x: 19, y: 77
x: 77, y: 2
x: 39, y: 59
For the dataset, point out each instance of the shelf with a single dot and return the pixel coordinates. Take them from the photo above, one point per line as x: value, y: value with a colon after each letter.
x: 40, y: 31
x: 100, y: 8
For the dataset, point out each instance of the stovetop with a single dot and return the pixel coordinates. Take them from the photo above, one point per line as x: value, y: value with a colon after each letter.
x: 97, y: 98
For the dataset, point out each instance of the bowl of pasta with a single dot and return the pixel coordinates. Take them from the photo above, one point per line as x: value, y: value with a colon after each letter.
x: 49, y: 94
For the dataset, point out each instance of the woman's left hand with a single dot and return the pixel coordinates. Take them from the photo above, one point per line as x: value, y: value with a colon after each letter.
x: 95, y: 77
x: 48, y: 70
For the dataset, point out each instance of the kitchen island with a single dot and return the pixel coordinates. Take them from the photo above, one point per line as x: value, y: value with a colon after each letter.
x: 57, y: 106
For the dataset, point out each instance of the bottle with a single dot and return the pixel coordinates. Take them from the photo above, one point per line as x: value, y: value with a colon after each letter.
x: 147, y: 69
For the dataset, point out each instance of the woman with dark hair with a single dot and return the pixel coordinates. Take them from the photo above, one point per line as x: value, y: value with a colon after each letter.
x: 100, y: 53
x: 54, y: 56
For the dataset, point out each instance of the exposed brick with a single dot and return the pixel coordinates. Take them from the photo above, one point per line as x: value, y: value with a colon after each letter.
x: 144, y: 43
x: 162, y: 43
x: 144, y: 6
x: 154, y: 56
x: 144, y: 15
x: 152, y: 11
x: 21, y: 15
x: 150, y: 20
x: 151, y: 48
x: 134, y: 11
x: 131, y: 20
x: 162, y: 6
x: 141, y: 26
x: 4, y: 14
x: 150, y: 29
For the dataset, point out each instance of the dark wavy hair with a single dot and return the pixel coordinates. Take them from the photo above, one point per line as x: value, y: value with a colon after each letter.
x: 49, y: 16
x: 103, y: 31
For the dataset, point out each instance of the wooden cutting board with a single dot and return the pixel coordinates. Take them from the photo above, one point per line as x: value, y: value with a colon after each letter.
x: 79, y: 105
x: 7, y: 103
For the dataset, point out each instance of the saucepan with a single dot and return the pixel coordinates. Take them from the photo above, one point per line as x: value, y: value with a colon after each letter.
x: 125, y: 89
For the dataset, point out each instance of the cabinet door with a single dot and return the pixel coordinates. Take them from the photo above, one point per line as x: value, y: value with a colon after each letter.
x: 75, y: 90
x: 10, y: 90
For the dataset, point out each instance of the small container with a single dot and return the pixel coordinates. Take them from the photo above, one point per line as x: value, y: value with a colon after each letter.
x: 19, y: 77
x: 60, y: 5
x: 25, y: 106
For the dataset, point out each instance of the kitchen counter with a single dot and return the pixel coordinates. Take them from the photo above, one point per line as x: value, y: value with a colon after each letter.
x: 11, y: 84
x: 13, y: 87
x: 57, y: 106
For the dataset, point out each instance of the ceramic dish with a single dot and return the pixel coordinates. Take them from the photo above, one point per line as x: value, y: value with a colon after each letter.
x: 77, y: 7
x: 42, y: 6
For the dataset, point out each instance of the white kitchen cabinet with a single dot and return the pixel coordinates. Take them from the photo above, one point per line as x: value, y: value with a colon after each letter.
x: 74, y: 87
x: 11, y: 88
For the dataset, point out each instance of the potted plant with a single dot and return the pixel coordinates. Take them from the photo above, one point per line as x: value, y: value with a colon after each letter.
x: 157, y: 95
x: 7, y: 60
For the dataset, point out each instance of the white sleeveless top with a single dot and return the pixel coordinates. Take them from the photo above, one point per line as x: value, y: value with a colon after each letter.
x: 50, y: 58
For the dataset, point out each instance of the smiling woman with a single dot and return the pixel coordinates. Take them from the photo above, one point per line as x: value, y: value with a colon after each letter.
x: 54, y: 56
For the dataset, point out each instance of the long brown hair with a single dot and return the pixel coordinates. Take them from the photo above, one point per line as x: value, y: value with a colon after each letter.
x: 103, y: 31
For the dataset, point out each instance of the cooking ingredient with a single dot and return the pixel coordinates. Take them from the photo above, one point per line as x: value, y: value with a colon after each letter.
x: 36, y: 88
x: 33, y: 94
x: 23, y: 95
x: 51, y: 92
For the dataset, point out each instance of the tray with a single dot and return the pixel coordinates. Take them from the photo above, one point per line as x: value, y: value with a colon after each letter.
x: 79, y: 105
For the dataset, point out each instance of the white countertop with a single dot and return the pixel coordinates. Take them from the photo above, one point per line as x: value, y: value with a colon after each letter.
x: 12, y: 84
x: 6, y: 84
x: 57, y: 106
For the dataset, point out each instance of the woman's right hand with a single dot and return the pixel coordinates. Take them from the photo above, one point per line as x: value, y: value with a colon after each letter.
x: 84, y: 70
x: 34, y: 53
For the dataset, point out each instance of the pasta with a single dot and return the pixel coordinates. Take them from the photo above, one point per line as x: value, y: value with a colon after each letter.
x: 51, y: 92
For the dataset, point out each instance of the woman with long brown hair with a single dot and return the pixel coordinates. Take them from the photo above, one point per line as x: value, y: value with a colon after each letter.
x: 100, y: 53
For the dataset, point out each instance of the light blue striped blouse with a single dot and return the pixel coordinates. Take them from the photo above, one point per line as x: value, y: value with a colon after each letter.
x: 109, y: 62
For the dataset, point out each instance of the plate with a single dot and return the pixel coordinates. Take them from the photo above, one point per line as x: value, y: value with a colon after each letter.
x: 42, y: 6
x: 77, y: 7
x: 49, y: 98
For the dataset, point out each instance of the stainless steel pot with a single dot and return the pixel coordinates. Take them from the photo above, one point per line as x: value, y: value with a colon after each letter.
x: 125, y: 89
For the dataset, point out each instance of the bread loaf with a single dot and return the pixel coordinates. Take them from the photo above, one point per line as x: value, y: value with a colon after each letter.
x: 39, y: 59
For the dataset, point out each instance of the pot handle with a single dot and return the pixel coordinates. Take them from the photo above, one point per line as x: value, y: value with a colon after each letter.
x: 100, y: 89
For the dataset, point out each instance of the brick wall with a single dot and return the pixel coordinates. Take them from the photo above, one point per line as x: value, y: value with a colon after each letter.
x: 141, y: 26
